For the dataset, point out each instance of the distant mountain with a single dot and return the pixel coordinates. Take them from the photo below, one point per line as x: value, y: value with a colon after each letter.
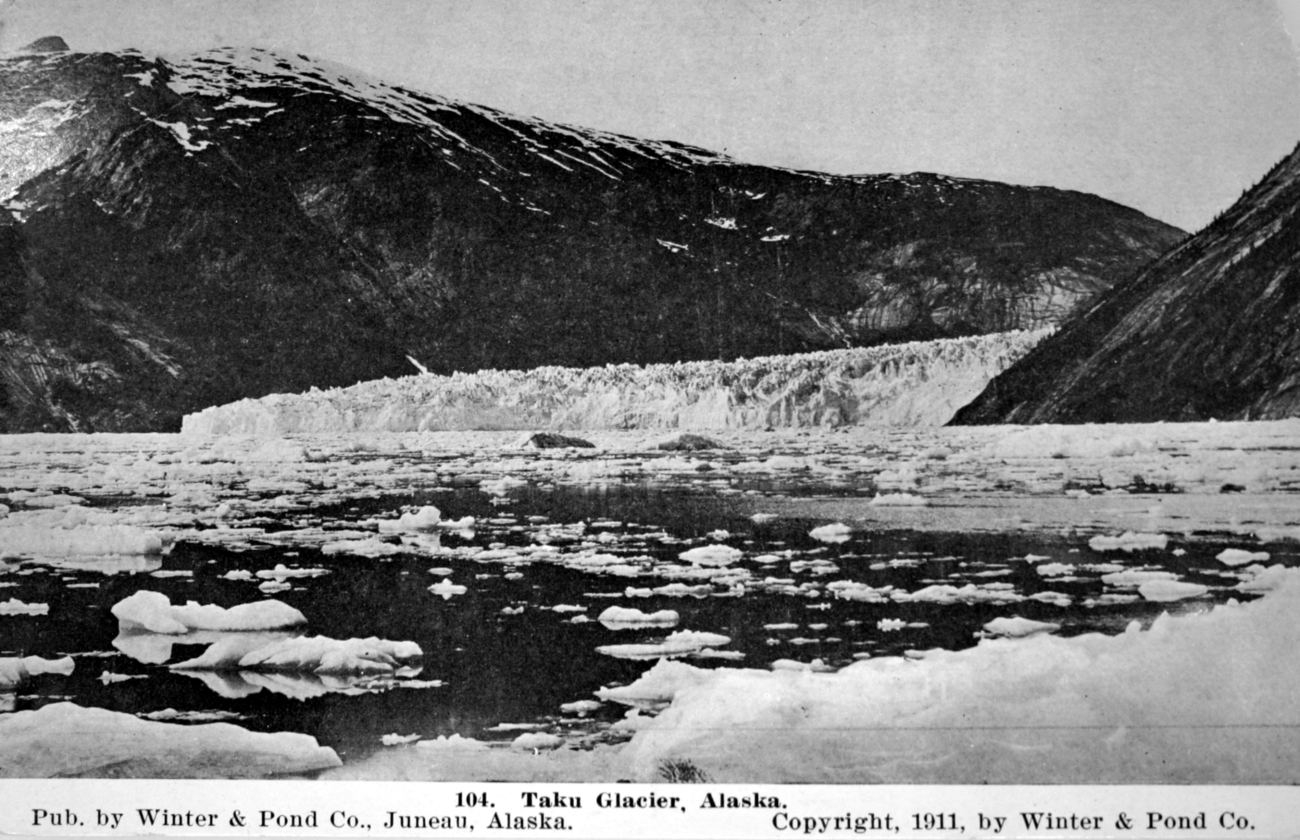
x: 1211, y: 330
x: 185, y: 232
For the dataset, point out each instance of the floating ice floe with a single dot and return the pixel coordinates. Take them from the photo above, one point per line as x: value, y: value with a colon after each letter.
x: 369, y: 547
x: 942, y: 593
x: 72, y: 531
x: 314, y: 654
x: 154, y: 612
x: 580, y: 707
x: 282, y: 572
x: 447, y: 589
x: 712, y: 555
x: 899, y: 500
x: 1135, y: 577
x: 536, y: 741
x: 836, y: 532
x: 394, y: 739
x: 191, y: 716
x: 15, y: 607
x: 452, y: 742
x: 1018, y: 627
x: 677, y: 644
x: 109, y: 677
x: 626, y: 617
x: 1170, y: 590
x: 1240, y: 557
x: 426, y: 518
x: 63, y: 739
x: 14, y: 671
x: 1128, y: 541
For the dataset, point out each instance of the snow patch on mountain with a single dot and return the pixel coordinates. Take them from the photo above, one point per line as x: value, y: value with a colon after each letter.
x: 222, y: 72
x: 918, y: 383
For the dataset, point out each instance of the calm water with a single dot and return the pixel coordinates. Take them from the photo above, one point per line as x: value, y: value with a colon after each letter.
x: 497, y: 668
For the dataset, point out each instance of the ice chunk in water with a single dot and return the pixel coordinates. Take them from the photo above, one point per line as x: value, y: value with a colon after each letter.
x: 836, y: 532
x: 712, y: 555
x: 1128, y: 541
x: 14, y: 671
x: 536, y: 741
x: 1018, y: 627
x: 1239, y: 557
x: 15, y: 607
x: 394, y: 739
x: 899, y: 500
x: 626, y: 617
x: 317, y: 655
x: 426, y: 518
x: 677, y: 644
x: 1170, y: 590
x: 153, y: 611
x: 452, y: 742
x: 446, y: 589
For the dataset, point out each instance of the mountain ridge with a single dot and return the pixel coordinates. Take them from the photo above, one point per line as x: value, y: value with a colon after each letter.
x: 1211, y: 330
x: 276, y: 223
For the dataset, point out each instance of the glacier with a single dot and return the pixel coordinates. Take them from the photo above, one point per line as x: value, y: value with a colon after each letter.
x: 920, y: 383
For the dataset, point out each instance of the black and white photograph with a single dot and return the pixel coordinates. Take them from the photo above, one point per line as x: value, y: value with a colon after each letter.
x: 746, y: 394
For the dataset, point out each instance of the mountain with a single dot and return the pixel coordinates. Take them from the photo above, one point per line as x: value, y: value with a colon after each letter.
x: 1211, y: 330
x: 184, y: 232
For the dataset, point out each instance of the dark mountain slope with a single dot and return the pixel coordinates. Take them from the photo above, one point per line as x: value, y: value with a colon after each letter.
x: 1211, y: 330
x: 273, y: 223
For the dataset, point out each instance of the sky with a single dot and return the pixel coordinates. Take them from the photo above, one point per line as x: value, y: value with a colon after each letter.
x: 1170, y: 106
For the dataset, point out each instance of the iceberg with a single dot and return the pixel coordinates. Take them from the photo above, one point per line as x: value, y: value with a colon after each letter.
x: 677, y: 644
x: 1128, y: 541
x: 315, y: 655
x: 1017, y: 627
x: 712, y: 555
x: 153, y: 612
x: 616, y: 618
x: 14, y: 671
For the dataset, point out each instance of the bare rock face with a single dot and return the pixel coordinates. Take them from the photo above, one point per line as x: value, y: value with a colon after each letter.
x: 1211, y: 330
x: 48, y: 44
x: 690, y: 443
x: 551, y: 440
x: 188, y: 232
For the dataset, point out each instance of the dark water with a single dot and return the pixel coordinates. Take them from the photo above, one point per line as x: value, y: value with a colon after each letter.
x: 497, y: 668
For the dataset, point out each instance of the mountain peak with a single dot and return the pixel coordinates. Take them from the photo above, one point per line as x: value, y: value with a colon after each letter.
x: 335, y: 224
x: 48, y: 44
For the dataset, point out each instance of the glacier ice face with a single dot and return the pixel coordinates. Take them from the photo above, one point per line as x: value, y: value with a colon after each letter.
x: 919, y: 383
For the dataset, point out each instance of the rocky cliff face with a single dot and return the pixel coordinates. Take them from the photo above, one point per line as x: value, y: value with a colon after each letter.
x: 1211, y: 330
x: 184, y: 232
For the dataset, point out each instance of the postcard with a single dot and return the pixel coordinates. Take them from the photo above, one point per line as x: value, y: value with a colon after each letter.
x: 650, y: 419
